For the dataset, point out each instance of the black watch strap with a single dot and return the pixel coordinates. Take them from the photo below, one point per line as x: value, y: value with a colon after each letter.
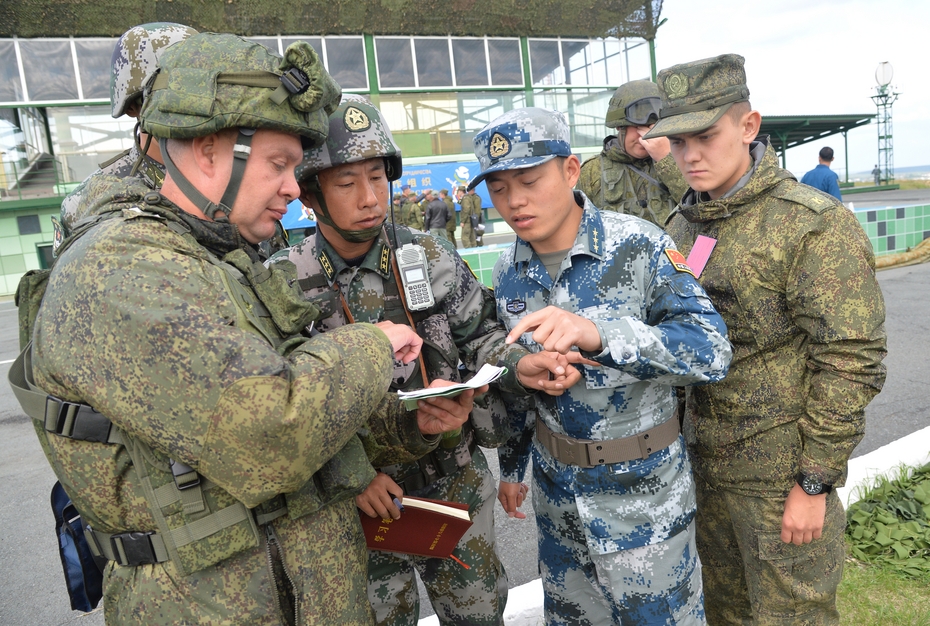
x: 811, y: 485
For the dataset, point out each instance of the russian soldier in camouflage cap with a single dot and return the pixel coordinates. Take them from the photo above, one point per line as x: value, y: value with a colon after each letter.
x: 451, y: 222
x: 792, y: 273
x: 471, y: 217
x: 350, y: 269
x: 212, y: 444
x: 135, y: 59
x: 612, y: 485
x: 631, y: 174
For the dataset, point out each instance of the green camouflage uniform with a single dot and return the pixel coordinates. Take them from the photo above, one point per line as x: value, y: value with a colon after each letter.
x: 451, y: 224
x: 471, y: 206
x: 411, y: 215
x: 138, y: 323
x: 611, y: 183
x: 793, y: 276
x: 461, y: 326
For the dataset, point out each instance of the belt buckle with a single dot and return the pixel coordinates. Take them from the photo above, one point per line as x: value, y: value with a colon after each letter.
x: 135, y: 548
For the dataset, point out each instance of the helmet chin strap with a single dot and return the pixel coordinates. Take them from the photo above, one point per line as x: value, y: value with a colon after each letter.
x: 241, y: 151
x: 322, y: 215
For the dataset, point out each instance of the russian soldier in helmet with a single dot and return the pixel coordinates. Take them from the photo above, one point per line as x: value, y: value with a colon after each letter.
x: 213, y: 450
x: 350, y: 269
x: 633, y: 175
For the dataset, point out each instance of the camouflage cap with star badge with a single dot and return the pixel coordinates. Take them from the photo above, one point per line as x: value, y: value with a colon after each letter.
x: 695, y: 95
x: 520, y: 139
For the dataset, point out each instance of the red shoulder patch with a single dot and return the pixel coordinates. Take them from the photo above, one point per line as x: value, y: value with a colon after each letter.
x: 678, y: 261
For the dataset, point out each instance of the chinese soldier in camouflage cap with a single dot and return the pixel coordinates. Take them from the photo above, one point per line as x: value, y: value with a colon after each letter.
x: 350, y: 270
x: 633, y: 175
x: 612, y: 491
x: 792, y: 273
x: 135, y: 59
x: 218, y: 478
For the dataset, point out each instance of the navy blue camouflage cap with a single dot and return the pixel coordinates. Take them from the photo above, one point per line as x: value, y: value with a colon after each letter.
x: 521, y: 139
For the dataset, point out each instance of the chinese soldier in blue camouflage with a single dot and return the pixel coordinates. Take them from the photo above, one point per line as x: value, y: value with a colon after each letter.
x: 792, y: 273
x: 613, y: 492
x: 135, y: 60
x: 349, y: 269
x: 218, y: 478
x: 633, y: 175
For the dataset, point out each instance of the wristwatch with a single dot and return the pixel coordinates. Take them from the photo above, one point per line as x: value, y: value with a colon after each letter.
x: 812, y: 485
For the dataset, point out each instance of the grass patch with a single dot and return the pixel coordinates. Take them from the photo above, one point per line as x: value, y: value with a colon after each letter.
x: 879, y: 595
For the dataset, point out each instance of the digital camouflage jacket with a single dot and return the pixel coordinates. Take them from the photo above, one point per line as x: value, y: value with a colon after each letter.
x: 461, y: 327
x: 792, y: 274
x: 197, y: 359
x: 611, y: 183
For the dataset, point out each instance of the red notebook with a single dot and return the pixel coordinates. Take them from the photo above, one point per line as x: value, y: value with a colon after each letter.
x: 426, y: 527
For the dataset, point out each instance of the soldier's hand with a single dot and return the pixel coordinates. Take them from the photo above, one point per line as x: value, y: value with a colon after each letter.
x: 558, y: 330
x: 550, y: 371
x: 657, y: 147
x: 803, y: 519
x: 404, y: 340
x: 440, y: 415
x: 378, y: 498
x: 511, y: 496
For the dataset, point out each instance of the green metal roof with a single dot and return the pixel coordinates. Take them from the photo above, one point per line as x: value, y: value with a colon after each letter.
x: 788, y: 131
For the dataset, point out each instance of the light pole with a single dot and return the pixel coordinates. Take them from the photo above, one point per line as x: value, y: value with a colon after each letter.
x: 884, y: 98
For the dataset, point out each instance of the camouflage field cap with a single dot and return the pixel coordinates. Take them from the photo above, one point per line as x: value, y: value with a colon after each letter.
x: 695, y: 95
x: 356, y: 132
x: 212, y: 81
x: 520, y: 139
x: 631, y: 93
x: 135, y: 59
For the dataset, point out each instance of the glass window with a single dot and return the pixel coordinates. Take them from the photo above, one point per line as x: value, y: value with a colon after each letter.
x: 85, y: 136
x: 345, y: 59
x: 544, y: 61
x: 94, y: 58
x: 49, y: 69
x: 28, y: 224
x: 434, y: 67
x: 315, y: 42
x: 269, y: 42
x: 575, y: 57
x: 395, y: 63
x: 506, y: 66
x: 46, y: 256
x: 471, y: 67
x: 11, y: 89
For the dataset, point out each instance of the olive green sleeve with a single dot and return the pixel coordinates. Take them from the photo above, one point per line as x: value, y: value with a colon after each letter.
x: 392, y: 434
x: 589, y: 181
x: 668, y: 173
x: 835, y: 298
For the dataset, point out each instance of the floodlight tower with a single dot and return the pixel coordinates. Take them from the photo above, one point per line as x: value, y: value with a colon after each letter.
x: 884, y: 97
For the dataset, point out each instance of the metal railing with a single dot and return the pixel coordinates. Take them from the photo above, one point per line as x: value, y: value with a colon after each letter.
x: 41, y: 177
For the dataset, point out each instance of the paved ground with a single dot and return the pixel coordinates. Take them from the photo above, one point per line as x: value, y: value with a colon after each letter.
x: 893, y: 198
x: 33, y: 591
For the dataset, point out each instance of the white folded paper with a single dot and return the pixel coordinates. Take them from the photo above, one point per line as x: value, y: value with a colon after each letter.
x: 487, y: 374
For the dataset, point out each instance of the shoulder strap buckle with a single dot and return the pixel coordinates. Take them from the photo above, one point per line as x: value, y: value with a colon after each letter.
x: 76, y: 421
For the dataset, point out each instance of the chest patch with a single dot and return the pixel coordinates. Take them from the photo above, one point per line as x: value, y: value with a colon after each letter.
x: 678, y: 261
x: 516, y: 306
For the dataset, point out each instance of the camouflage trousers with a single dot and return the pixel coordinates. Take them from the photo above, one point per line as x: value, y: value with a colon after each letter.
x: 657, y: 584
x: 751, y: 576
x: 465, y: 597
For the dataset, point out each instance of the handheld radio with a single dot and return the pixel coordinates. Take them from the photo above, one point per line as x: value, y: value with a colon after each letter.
x: 411, y: 262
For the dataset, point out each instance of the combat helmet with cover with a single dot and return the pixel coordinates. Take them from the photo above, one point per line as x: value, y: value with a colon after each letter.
x: 135, y: 59
x: 636, y: 103
x: 357, y: 132
x: 211, y: 82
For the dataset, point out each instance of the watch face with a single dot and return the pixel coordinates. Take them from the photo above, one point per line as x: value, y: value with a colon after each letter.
x: 811, y: 485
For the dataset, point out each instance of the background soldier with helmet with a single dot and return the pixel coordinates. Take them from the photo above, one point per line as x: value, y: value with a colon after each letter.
x: 350, y: 270
x: 633, y: 175
x: 218, y: 476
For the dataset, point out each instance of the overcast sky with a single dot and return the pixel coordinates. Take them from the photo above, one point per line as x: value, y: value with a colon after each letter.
x: 817, y: 57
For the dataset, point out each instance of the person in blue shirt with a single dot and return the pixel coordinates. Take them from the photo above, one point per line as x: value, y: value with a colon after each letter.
x: 822, y: 177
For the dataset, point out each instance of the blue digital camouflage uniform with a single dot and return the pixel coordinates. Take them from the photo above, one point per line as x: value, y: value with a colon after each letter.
x: 616, y: 542
x: 461, y: 326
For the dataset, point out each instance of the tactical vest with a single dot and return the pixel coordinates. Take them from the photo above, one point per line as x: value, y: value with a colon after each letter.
x: 199, y: 524
x: 439, y: 352
x: 618, y: 190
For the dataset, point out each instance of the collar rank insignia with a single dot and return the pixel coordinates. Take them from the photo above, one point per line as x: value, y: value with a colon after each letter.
x: 678, y: 261
x: 516, y: 306
x: 384, y: 261
x: 595, y: 241
x: 356, y: 120
x: 327, y: 265
x: 499, y: 146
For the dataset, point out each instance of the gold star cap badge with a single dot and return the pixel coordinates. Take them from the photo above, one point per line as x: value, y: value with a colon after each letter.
x: 356, y: 120
x: 499, y: 146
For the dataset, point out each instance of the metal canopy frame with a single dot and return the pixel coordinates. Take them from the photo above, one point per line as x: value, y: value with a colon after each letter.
x: 789, y: 131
